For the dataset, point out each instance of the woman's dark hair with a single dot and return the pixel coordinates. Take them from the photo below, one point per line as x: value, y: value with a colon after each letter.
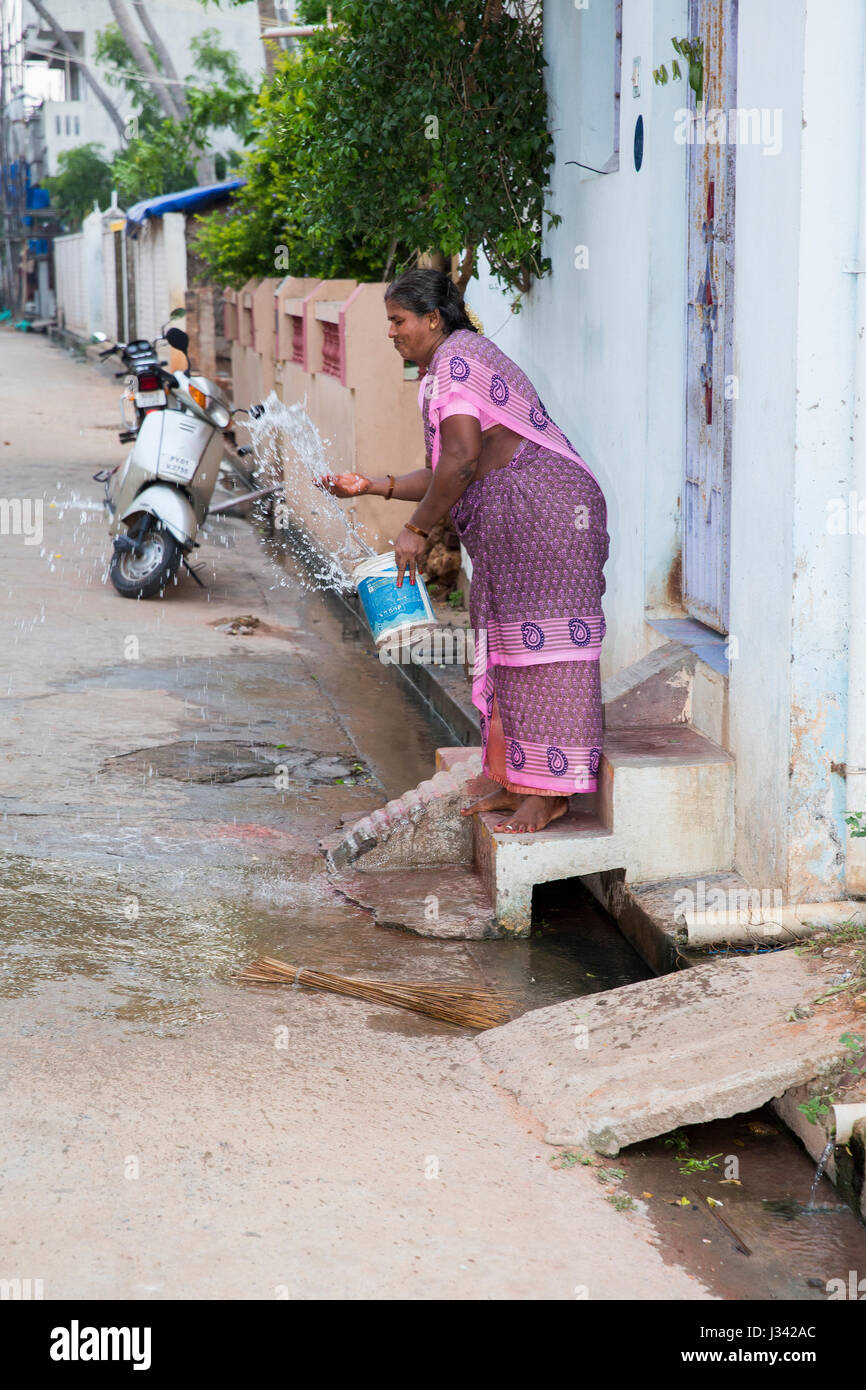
x: 424, y: 291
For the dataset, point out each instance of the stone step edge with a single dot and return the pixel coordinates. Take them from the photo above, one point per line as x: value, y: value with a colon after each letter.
x: 373, y: 829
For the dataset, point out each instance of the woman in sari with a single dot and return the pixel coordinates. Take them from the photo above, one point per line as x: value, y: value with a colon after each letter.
x: 534, y: 522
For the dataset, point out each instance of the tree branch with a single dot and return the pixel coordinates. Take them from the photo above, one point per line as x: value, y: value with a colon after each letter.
x: 178, y: 94
x: 466, y: 267
x: 63, y: 40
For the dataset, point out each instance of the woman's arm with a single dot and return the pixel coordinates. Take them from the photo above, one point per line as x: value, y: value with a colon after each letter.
x: 458, y: 461
x: 410, y: 488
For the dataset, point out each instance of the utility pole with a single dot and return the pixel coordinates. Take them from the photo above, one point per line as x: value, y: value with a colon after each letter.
x: 8, y: 280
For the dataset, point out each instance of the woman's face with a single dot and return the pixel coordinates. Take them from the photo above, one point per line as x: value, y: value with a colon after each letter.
x: 415, y: 336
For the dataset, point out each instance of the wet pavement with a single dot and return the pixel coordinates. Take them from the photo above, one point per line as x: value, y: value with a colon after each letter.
x: 170, y: 1132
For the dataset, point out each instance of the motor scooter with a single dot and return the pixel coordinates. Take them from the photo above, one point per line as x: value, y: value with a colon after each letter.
x: 159, y: 497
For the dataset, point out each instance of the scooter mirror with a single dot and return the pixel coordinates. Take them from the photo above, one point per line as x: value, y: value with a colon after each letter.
x: 177, y: 339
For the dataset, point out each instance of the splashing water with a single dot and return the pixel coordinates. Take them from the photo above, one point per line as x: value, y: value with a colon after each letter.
x: 322, y: 535
x: 819, y: 1171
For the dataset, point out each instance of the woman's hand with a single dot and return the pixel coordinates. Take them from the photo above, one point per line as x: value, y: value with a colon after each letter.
x: 344, y: 484
x: 408, y: 552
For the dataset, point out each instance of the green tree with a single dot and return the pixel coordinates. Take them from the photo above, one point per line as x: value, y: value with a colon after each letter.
x: 162, y: 155
x: 83, y: 178
x: 411, y: 126
x: 157, y: 161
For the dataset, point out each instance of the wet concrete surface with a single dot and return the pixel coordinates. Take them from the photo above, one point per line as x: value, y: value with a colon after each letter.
x: 169, y: 1132
x: 172, y: 1133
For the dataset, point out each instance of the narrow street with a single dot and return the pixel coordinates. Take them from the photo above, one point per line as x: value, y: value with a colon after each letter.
x: 169, y: 1133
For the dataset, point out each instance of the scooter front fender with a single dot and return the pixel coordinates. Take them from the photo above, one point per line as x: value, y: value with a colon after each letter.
x: 170, y: 507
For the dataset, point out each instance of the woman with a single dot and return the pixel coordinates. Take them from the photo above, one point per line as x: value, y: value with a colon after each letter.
x: 534, y: 522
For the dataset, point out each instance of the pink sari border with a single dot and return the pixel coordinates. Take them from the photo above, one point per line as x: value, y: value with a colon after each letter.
x: 547, y: 639
x: 550, y: 767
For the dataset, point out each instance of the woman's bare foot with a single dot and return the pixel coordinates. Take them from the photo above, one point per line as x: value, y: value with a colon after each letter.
x: 498, y: 800
x: 534, y: 813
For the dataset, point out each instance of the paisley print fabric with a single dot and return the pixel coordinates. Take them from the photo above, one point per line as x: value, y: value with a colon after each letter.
x: 536, y: 531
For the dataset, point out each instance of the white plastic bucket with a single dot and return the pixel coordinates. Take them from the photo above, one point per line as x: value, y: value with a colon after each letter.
x: 391, y: 611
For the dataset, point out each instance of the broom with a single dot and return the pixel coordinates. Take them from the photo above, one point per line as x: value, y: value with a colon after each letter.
x: 461, y: 1004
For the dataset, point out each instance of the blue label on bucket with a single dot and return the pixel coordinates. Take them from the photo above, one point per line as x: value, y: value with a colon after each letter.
x: 386, y: 606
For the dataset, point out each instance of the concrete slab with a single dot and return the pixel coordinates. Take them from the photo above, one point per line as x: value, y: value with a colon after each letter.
x: 615, y: 1068
x: 650, y: 915
x: 449, y: 903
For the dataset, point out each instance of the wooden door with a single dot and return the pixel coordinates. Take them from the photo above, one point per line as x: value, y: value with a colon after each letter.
x: 710, y: 384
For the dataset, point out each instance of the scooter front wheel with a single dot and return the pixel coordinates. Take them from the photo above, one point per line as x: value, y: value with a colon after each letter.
x: 147, y: 566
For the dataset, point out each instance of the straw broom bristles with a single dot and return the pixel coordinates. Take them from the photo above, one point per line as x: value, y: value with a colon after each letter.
x: 465, y: 1005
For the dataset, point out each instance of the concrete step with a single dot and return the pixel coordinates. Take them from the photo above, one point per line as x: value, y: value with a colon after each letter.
x: 672, y: 684
x: 611, y: 1069
x: 657, y: 689
x: 664, y: 807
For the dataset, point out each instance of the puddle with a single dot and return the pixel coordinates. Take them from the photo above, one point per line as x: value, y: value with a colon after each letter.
x: 795, y: 1249
x: 213, y: 760
x: 155, y: 959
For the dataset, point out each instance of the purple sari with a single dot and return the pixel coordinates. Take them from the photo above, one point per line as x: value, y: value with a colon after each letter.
x: 536, y: 531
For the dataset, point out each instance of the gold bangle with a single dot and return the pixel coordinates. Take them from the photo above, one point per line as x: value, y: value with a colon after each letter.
x: 390, y: 493
x: 417, y: 530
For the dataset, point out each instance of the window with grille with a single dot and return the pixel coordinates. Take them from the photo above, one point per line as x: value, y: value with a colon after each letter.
x: 297, y: 338
x: 331, y: 356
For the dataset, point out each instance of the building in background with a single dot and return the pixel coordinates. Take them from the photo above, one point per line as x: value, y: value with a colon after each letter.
x: 48, y: 106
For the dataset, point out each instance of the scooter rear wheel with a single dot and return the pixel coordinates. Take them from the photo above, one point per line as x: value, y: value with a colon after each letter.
x: 151, y: 569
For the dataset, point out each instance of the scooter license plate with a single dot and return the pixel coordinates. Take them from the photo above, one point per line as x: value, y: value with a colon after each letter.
x: 175, y: 466
x: 145, y: 398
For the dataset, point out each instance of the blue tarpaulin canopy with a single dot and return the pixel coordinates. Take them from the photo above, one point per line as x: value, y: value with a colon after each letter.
x: 187, y: 200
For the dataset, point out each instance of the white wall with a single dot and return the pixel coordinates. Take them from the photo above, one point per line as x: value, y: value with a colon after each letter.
x: 159, y: 257
x: 79, y: 278
x: 830, y: 153
x: 70, y: 283
x: 605, y: 345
